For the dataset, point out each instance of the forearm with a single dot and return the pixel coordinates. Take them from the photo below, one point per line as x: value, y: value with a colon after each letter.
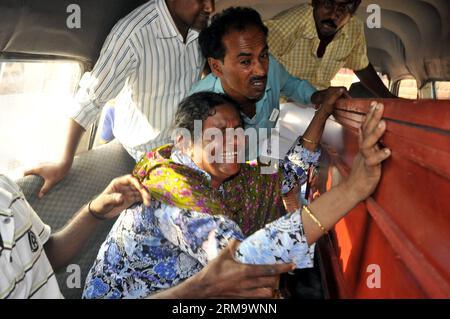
x: 64, y: 245
x: 329, y: 208
x: 314, y: 131
x: 75, y: 132
x: 370, y: 79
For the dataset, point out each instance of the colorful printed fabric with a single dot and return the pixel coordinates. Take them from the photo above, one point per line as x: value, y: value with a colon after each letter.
x: 282, y: 241
x: 157, y: 247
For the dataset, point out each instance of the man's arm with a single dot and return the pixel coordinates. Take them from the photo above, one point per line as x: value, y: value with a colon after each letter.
x: 54, y: 172
x: 370, y: 79
x: 116, y: 62
x: 120, y: 194
x: 224, y: 277
x: 326, y: 100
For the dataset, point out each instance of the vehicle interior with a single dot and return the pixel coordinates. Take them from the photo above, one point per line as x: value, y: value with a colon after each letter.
x: 42, y: 60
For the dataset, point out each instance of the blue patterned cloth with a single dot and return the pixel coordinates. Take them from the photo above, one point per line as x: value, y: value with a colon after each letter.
x: 157, y: 247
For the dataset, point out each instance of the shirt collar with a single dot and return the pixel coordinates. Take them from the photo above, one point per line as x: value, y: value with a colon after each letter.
x: 167, y: 28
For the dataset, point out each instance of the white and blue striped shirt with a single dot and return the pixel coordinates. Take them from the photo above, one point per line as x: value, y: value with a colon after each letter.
x: 147, y: 66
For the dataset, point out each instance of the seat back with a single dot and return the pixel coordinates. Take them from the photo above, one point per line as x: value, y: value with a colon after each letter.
x: 91, y: 172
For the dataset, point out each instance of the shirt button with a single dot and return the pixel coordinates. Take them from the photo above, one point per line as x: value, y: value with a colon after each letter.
x: 6, y: 220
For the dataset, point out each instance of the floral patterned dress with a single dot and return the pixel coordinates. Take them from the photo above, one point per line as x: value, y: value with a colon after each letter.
x: 157, y: 247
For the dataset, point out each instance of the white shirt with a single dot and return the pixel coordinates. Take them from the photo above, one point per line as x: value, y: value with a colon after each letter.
x: 25, y: 271
x: 147, y: 66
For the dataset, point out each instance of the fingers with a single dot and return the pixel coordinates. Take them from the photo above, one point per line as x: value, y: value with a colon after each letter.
x: 144, y: 195
x: 347, y: 95
x: 47, y: 184
x: 131, y: 188
x: 370, y: 133
x: 336, y: 94
x: 45, y: 188
x: 378, y: 157
x: 269, y: 270
x: 373, y: 118
x: 32, y: 171
x: 233, y: 245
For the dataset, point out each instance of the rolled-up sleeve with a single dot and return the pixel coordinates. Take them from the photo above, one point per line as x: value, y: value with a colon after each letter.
x: 117, y: 61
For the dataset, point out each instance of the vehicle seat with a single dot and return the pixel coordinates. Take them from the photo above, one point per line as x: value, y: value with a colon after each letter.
x: 91, y: 172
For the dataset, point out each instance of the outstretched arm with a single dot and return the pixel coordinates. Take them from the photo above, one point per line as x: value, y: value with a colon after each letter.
x: 330, y: 207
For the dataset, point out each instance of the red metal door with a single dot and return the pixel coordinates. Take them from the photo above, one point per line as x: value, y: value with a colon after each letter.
x: 397, y: 243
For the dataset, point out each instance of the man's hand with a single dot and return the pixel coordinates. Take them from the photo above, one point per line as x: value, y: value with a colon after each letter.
x: 120, y: 194
x: 52, y: 173
x: 366, y: 169
x: 224, y: 277
x: 327, y: 98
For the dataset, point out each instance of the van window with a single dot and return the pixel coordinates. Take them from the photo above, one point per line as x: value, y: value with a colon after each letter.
x: 346, y: 77
x: 442, y: 90
x: 408, y: 89
x: 34, y: 100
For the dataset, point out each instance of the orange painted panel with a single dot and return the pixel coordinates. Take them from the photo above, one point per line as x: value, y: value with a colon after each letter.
x: 382, y: 273
x: 405, y: 226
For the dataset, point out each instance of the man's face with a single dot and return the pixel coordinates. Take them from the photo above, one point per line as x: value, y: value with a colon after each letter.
x: 331, y: 15
x: 243, y: 73
x: 193, y: 13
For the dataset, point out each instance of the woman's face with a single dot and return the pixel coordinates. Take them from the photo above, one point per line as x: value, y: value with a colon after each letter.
x: 217, y: 154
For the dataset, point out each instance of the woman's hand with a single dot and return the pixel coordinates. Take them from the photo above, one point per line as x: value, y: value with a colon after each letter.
x: 366, y: 169
x: 120, y: 194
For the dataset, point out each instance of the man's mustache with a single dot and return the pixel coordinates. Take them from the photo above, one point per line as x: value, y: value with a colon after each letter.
x: 258, y: 78
x: 330, y: 23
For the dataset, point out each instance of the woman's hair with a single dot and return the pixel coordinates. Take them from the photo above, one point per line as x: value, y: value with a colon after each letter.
x: 199, y: 106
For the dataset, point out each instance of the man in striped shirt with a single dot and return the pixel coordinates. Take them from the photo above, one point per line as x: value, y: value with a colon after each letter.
x: 29, y: 253
x: 149, y: 62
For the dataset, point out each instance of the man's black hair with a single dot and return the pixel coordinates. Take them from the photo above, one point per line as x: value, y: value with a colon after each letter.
x: 231, y: 19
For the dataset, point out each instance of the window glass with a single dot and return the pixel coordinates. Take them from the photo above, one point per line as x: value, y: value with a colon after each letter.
x: 408, y: 89
x: 35, y: 98
x: 442, y: 90
x: 346, y: 77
